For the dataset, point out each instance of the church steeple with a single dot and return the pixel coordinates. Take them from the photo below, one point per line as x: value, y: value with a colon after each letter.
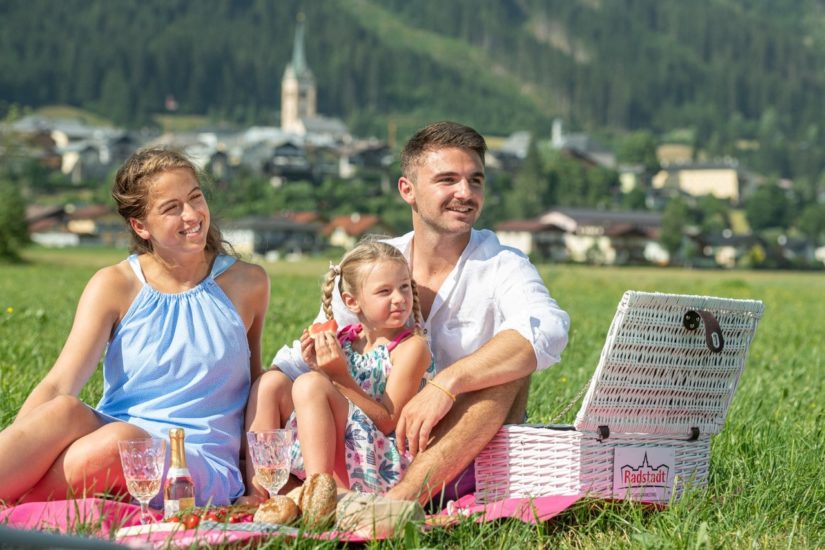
x: 299, y: 62
x: 298, y: 92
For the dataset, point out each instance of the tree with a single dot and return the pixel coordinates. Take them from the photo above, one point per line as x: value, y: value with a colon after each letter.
x: 811, y: 222
x: 767, y: 207
x: 674, y: 219
x: 639, y: 148
x: 530, y: 196
x: 712, y: 214
x: 14, y: 233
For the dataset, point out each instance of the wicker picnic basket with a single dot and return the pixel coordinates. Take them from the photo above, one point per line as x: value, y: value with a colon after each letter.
x: 666, y: 376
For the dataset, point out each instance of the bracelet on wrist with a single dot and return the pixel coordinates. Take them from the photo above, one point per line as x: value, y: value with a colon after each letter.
x: 442, y: 388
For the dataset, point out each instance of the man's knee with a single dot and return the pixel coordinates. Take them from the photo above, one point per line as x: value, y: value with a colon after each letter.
x: 518, y: 409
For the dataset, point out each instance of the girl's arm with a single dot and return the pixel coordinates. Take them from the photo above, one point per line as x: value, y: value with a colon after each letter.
x: 98, y: 311
x: 410, y: 360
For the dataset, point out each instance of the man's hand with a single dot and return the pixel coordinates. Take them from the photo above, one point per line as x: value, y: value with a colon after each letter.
x: 419, y: 417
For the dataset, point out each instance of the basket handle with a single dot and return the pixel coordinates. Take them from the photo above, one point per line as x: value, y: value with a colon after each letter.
x: 713, y: 332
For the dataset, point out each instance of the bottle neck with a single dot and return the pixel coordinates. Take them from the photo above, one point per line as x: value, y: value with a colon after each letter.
x: 177, y: 454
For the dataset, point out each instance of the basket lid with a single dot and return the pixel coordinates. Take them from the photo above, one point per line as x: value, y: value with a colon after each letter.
x: 670, y: 364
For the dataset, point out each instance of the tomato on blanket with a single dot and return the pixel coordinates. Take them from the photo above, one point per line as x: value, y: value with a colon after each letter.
x: 220, y: 514
x: 189, y: 520
x: 317, y: 328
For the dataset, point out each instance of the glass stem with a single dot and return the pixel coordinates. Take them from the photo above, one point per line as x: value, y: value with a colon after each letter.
x: 144, y: 513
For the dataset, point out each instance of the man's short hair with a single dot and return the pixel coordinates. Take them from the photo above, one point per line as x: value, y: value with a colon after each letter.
x: 439, y: 135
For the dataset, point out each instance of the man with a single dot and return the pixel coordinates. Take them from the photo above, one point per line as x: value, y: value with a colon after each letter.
x: 488, y: 317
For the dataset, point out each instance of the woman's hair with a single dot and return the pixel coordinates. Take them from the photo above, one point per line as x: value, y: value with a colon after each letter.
x: 132, y: 185
x: 355, y: 266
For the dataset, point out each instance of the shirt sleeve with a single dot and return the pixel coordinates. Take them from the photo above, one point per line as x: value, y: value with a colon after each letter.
x: 525, y: 305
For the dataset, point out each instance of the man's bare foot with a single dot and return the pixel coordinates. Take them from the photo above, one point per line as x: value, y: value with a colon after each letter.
x: 403, y: 492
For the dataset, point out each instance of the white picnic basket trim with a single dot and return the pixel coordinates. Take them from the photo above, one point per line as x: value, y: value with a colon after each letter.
x: 656, y: 385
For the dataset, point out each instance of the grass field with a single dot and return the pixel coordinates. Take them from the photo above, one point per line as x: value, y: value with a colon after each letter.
x: 767, y: 479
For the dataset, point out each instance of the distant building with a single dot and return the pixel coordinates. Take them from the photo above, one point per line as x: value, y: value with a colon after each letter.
x: 722, y: 179
x: 346, y: 231
x: 582, y: 147
x: 273, y: 236
x: 588, y: 235
x: 298, y: 91
x: 62, y: 226
x: 299, y: 98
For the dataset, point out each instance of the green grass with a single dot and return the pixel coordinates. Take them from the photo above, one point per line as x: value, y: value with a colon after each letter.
x: 767, y: 479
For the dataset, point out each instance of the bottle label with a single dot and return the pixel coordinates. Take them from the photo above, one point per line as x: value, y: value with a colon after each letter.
x: 172, y: 507
x: 178, y: 472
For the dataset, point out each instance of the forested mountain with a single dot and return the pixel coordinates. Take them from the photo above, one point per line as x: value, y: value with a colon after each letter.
x: 728, y: 70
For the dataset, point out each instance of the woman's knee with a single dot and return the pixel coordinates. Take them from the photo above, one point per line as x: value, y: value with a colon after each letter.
x: 95, y: 457
x: 70, y: 411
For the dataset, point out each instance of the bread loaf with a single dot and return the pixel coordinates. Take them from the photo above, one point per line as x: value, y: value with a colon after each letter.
x: 295, y: 495
x: 318, y: 500
x: 278, y: 509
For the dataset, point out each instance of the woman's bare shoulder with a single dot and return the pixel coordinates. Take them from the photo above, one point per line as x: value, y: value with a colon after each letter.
x: 248, y: 275
x: 111, y: 290
x: 117, y: 278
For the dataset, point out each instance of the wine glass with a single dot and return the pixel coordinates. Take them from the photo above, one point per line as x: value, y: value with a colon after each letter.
x: 143, y: 461
x: 270, y: 453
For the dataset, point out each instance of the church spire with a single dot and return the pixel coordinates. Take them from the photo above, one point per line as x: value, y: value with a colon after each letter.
x: 298, y: 93
x: 299, y: 62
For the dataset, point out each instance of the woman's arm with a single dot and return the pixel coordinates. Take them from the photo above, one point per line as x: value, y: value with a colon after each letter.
x: 410, y: 360
x: 104, y: 300
x: 259, y: 296
x: 247, y: 286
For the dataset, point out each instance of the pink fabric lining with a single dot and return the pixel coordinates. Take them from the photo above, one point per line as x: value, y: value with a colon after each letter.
x: 67, y: 516
x: 101, y: 517
x: 528, y: 510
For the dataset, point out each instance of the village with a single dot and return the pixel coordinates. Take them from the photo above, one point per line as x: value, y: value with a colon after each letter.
x: 311, y: 147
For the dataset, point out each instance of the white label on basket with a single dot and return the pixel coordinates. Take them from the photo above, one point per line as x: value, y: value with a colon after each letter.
x: 643, y: 473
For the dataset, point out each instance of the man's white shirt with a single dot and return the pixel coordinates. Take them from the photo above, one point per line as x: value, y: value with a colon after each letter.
x: 492, y: 288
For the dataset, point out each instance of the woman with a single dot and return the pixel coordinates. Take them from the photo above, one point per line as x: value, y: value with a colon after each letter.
x: 181, y: 323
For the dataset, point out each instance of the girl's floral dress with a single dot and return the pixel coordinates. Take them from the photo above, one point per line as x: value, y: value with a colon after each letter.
x: 374, y: 464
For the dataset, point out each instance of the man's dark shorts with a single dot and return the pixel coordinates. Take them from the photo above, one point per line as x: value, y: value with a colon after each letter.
x: 463, y: 484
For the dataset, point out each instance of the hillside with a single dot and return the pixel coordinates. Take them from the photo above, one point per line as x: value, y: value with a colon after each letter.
x: 728, y: 70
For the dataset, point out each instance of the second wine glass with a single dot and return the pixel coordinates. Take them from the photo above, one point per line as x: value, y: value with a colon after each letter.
x: 270, y: 454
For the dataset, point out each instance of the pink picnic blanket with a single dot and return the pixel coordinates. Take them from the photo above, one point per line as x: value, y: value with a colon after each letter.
x: 102, y: 518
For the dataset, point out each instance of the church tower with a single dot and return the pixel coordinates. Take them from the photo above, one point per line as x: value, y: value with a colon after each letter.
x: 298, y: 92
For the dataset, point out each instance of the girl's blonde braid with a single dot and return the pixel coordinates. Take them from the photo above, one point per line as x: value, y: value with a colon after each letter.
x: 417, y: 317
x: 326, y: 289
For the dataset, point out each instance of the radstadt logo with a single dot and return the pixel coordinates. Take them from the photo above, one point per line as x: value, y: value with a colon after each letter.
x: 645, y: 475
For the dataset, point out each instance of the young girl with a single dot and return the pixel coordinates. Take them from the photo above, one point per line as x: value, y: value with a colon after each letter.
x: 181, y: 324
x: 347, y: 408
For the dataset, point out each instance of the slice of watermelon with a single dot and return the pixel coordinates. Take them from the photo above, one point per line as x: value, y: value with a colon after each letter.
x: 317, y: 328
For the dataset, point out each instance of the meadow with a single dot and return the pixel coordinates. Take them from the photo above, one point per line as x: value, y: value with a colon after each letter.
x: 767, y: 481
